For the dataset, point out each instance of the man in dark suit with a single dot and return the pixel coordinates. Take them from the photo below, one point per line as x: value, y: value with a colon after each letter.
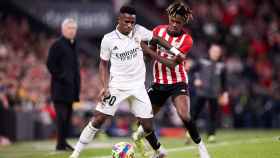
x: 63, y: 65
x: 210, y: 87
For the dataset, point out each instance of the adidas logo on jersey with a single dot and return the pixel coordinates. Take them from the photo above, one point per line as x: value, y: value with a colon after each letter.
x: 115, y: 48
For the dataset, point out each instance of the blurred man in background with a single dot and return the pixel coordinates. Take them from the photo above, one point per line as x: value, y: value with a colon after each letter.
x: 63, y: 65
x: 210, y: 87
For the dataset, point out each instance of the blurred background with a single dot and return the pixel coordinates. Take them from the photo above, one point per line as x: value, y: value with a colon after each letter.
x: 248, y: 30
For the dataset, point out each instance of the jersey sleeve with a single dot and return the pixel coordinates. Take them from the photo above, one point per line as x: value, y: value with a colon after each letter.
x: 156, y: 31
x: 146, y: 35
x: 105, y: 52
x: 187, y: 45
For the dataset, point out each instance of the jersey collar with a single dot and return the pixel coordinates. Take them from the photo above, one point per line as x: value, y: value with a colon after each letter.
x: 122, y: 36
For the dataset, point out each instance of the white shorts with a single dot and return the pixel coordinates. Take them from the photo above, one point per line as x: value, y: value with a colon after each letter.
x: 138, y: 98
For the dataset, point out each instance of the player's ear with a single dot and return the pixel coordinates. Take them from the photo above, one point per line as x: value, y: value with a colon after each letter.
x: 119, y: 18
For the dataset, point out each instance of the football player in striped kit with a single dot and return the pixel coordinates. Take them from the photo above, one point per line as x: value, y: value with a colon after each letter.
x: 170, y: 78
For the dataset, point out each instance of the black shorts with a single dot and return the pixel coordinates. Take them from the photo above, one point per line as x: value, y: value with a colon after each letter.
x: 159, y: 93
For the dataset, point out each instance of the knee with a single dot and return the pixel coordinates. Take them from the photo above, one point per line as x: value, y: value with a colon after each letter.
x: 147, y: 125
x: 98, y: 120
x: 186, y: 117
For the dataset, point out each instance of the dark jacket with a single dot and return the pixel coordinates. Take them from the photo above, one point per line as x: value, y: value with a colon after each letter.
x: 63, y: 64
x: 213, y: 77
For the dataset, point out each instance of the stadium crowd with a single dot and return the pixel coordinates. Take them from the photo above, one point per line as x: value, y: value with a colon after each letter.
x: 248, y: 30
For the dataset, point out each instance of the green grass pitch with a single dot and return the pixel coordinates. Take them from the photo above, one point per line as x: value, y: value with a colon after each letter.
x: 230, y: 144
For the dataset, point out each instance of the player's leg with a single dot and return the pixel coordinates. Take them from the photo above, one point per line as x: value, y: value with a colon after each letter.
x: 213, y: 110
x: 181, y: 101
x: 141, y: 107
x: 182, y: 104
x: 150, y: 136
x: 89, y: 132
x: 157, y: 99
x: 195, y: 111
x: 104, y: 110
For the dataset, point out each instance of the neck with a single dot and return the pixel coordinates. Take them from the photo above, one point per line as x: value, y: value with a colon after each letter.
x: 122, y: 32
x: 175, y: 34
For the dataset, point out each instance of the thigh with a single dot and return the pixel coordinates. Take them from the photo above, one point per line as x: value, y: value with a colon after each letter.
x: 158, y: 95
x: 182, y: 104
x: 110, y: 104
x: 180, y: 88
x: 140, y: 104
x: 180, y: 97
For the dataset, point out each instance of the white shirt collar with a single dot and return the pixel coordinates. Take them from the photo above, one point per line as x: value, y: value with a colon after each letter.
x: 122, y: 36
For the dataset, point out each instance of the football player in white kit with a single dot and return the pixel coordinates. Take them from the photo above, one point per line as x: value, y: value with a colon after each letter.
x: 126, y: 78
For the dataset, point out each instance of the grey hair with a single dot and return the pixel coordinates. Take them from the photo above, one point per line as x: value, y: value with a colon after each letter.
x: 69, y: 20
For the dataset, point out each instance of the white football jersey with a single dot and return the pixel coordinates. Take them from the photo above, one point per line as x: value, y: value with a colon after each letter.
x: 127, y: 69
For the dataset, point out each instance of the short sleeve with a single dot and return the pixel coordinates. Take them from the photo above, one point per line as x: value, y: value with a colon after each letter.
x: 146, y: 35
x: 187, y: 45
x: 156, y: 31
x: 105, y: 52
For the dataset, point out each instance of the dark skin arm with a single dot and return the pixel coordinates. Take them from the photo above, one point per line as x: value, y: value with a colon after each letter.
x: 168, y: 62
x: 158, y: 40
x: 104, y: 77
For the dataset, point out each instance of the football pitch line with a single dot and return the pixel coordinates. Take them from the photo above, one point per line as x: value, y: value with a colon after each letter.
x: 225, y: 143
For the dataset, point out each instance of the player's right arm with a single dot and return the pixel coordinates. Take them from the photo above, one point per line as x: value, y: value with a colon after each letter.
x: 105, y: 54
x: 104, y: 75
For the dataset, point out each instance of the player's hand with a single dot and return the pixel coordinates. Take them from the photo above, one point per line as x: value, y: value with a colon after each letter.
x: 103, y: 93
x: 180, y: 58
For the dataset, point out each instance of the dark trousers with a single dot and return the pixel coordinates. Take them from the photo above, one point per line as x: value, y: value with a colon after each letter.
x: 63, y: 121
x: 213, y: 110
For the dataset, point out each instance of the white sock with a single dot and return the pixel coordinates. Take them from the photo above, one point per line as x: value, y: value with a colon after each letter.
x: 86, y: 137
x: 162, y: 150
x: 203, y: 150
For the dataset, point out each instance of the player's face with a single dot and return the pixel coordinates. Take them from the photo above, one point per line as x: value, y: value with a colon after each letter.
x: 176, y: 24
x: 126, y: 23
x: 69, y: 30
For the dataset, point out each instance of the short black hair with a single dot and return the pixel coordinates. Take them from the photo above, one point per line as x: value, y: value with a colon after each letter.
x: 128, y: 9
x: 179, y: 8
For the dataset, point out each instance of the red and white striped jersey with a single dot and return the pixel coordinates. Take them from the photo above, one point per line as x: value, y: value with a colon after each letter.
x: 162, y: 73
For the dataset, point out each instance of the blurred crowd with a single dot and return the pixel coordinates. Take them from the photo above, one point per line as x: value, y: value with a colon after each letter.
x: 248, y: 30
x: 24, y: 79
